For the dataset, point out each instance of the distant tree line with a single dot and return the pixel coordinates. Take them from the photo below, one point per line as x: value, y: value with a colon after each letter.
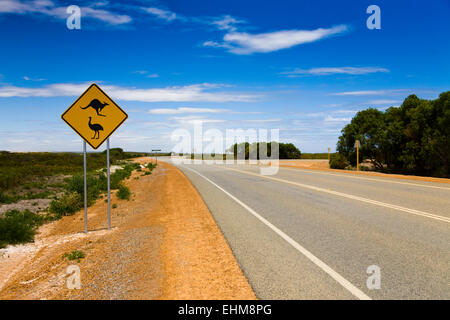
x: 411, y: 139
x: 286, y: 150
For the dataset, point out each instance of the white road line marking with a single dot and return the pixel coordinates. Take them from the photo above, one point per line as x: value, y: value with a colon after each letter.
x: 349, y: 196
x: 322, y: 265
x: 364, y: 178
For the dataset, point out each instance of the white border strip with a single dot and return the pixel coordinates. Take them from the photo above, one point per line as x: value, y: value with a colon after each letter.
x: 322, y: 265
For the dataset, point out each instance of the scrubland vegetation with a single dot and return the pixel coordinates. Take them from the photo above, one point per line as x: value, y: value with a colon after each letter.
x: 33, y: 171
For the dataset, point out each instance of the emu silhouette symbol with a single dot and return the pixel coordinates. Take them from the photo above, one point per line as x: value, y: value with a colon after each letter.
x: 96, y: 128
x: 97, y: 105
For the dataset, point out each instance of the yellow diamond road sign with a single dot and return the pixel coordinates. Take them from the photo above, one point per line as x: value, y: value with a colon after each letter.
x: 94, y: 116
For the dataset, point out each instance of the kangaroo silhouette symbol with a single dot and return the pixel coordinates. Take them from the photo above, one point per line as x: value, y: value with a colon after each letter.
x: 96, y: 128
x: 97, y: 105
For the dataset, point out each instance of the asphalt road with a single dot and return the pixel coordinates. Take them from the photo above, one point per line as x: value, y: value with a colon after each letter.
x: 307, y: 234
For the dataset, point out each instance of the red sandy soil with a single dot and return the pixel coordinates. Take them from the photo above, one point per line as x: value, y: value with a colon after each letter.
x: 323, y: 166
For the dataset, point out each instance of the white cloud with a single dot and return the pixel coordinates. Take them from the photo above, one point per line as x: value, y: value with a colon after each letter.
x: 227, y: 22
x: 378, y: 102
x: 195, y: 119
x: 333, y: 119
x: 371, y: 92
x: 245, y: 43
x: 334, y: 70
x: 33, y: 79
x: 162, y: 14
x: 261, y: 120
x: 49, y: 8
x: 216, y: 44
x: 153, y: 75
x: 186, y: 110
x: 190, y: 93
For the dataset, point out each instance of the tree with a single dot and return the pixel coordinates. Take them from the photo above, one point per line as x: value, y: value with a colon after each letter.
x: 412, y: 139
x: 369, y: 128
x: 286, y: 150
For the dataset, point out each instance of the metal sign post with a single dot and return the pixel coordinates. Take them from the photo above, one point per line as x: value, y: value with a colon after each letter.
x: 328, y: 155
x: 157, y: 150
x: 109, y: 190
x: 85, y: 187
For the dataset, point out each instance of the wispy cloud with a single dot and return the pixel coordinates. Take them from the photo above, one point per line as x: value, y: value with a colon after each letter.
x: 33, y: 79
x: 261, y: 120
x: 371, y: 92
x: 334, y: 119
x: 204, y: 92
x: 186, y: 110
x: 227, y: 22
x: 161, y: 13
x: 380, y: 102
x: 324, y: 71
x: 195, y: 119
x: 49, y: 8
x: 246, y: 43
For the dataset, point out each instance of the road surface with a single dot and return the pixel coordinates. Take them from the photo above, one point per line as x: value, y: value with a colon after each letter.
x: 308, y: 234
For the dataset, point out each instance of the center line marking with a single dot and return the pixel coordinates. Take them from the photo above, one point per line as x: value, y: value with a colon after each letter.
x: 322, y: 265
x: 349, y: 196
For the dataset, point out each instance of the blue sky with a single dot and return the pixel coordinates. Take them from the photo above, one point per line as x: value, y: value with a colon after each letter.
x: 304, y: 67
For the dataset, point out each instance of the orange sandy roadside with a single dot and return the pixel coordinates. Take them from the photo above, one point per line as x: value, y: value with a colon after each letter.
x: 322, y: 165
x: 164, y: 244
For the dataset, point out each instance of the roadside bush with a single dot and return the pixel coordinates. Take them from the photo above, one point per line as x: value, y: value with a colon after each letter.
x: 74, y: 255
x: 121, y: 174
x: 338, y: 161
x: 7, y: 199
x: 124, y: 193
x: 18, y: 227
x: 151, y: 166
x: 67, y: 205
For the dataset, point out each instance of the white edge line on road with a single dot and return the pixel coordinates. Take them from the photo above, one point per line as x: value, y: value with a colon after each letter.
x: 349, y: 196
x: 349, y: 175
x: 322, y: 265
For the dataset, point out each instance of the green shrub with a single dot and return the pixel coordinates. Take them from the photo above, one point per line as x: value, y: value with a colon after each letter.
x: 74, y: 255
x: 67, y: 205
x: 18, y: 227
x: 94, y: 186
x: 124, y: 193
x: 338, y: 161
x: 4, y: 198
x: 151, y: 166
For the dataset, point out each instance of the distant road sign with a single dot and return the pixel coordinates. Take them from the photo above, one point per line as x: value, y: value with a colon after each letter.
x: 94, y: 116
x: 357, y: 144
x: 156, y: 150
